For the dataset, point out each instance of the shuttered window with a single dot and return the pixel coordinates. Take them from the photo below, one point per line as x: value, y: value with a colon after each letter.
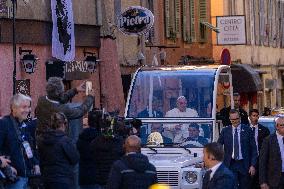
x: 150, y: 37
x: 248, y: 21
x: 202, y: 18
x: 257, y: 22
x: 282, y: 24
x: 177, y: 17
x: 262, y: 21
x: 192, y: 21
x: 170, y: 19
x: 252, y: 21
x: 186, y: 21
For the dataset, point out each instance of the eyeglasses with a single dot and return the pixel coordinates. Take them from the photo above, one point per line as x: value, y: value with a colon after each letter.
x: 234, y: 119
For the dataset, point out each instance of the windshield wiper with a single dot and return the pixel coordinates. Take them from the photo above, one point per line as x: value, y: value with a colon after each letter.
x: 151, y: 148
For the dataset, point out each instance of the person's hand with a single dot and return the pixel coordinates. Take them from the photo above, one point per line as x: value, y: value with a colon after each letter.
x: 252, y: 170
x: 81, y: 87
x: 14, y: 170
x: 178, y: 127
x: 4, y: 161
x: 264, y: 186
x: 92, y: 92
x: 36, y: 170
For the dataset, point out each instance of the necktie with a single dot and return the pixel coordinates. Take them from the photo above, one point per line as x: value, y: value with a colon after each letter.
x: 236, y: 145
x: 253, y: 130
x: 206, y: 179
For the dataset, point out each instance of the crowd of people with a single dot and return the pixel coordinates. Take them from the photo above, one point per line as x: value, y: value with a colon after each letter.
x: 108, y: 153
x: 38, y: 153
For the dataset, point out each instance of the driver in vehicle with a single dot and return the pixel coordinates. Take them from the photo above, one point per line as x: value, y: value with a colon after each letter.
x: 175, y: 131
x: 193, y: 139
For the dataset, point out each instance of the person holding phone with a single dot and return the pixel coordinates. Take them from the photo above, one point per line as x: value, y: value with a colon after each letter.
x: 55, y: 101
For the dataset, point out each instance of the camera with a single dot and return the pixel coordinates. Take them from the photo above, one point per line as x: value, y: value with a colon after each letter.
x: 10, y: 176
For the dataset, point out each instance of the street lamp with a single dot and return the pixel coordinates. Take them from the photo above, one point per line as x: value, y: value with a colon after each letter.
x: 14, y: 47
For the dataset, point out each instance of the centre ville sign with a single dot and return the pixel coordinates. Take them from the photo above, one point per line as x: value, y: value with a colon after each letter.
x: 135, y: 20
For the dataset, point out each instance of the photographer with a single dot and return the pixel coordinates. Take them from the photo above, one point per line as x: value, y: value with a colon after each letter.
x: 55, y: 101
x: 106, y: 148
x: 15, y: 142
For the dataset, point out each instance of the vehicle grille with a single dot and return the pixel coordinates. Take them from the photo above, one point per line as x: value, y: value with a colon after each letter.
x: 168, y: 177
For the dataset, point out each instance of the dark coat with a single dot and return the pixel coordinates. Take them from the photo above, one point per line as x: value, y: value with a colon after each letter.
x: 270, y: 162
x: 145, y: 113
x: 87, y: 167
x: 263, y: 132
x: 222, y: 179
x: 132, y: 171
x: 224, y: 113
x: 11, y: 146
x: 46, y: 108
x: 58, y: 156
x: 105, y: 151
x: 248, y: 146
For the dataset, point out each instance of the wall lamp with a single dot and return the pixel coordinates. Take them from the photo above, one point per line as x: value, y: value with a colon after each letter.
x: 29, y: 60
x: 91, y: 60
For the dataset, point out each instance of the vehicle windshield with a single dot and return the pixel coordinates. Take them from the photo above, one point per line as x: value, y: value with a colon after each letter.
x: 172, y: 94
x: 188, y: 134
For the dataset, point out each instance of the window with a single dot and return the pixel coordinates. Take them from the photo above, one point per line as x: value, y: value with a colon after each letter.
x: 202, y: 18
x: 172, y: 18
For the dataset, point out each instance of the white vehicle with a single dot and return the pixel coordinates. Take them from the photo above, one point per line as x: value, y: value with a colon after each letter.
x: 152, y: 98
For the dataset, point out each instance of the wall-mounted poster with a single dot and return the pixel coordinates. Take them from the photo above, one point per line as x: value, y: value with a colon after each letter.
x: 23, y: 87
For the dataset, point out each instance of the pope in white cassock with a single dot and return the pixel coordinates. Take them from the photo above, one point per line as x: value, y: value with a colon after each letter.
x: 176, y: 131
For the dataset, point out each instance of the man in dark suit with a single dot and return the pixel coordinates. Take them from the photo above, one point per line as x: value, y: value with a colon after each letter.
x: 155, y: 110
x: 240, y: 150
x: 194, y: 140
x: 224, y: 113
x: 218, y: 176
x: 271, y: 158
x: 259, y: 133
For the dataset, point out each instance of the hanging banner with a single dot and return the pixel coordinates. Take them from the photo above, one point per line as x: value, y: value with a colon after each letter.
x: 135, y: 20
x: 63, y: 38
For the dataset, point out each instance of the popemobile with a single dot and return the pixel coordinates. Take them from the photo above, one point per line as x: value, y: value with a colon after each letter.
x: 178, y: 107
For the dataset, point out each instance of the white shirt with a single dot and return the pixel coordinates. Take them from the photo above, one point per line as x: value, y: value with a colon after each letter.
x: 214, y: 169
x: 281, y: 147
x: 177, y: 113
x: 255, y: 135
x: 239, y: 136
x: 171, y: 132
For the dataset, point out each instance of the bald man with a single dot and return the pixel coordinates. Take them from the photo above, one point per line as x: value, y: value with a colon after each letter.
x: 133, y: 170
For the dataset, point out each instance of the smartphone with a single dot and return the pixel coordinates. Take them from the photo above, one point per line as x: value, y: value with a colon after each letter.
x: 88, y: 87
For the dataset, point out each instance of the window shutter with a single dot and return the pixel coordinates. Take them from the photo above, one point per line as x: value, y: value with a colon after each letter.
x: 177, y: 17
x: 186, y: 21
x: 262, y: 24
x: 167, y: 18
x: 202, y: 18
x: 282, y: 24
x: 192, y: 20
x: 252, y: 23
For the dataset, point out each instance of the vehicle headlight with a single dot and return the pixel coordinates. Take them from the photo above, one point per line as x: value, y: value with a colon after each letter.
x: 191, y: 177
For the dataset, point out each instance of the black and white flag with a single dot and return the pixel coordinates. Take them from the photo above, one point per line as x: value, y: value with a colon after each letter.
x: 63, y: 39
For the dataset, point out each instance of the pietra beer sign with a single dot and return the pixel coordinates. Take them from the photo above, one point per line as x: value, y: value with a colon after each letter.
x: 135, y: 20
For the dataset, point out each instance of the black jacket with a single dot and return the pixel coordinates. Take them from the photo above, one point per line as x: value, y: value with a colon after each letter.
x: 11, y: 146
x: 224, y: 113
x: 87, y: 167
x: 263, y: 132
x: 58, y: 156
x: 270, y: 162
x: 105, y: 151
x: 132, y: 171
x: 223, y: 178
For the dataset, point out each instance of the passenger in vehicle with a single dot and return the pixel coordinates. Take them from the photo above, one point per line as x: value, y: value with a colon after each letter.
x: 193, y: 139
x: 155, y: 110
x: 175, y: 131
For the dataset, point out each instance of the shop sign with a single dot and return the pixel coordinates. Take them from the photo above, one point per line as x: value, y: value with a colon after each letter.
x: 232, y: 30
x: 76, y: 70
x: 135, y: 20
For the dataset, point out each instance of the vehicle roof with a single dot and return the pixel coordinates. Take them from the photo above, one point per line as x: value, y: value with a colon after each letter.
x: 266, y: 118
x: 182, y: 67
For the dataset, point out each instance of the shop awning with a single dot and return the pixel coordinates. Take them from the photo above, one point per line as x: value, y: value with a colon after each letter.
x: 245, y: 78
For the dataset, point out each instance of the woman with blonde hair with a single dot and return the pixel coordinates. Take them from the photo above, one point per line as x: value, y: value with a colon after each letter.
x: 57, y: 154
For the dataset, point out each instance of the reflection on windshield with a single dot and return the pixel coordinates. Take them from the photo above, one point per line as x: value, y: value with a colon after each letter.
x: 189, y: 135
x: 186, y: 93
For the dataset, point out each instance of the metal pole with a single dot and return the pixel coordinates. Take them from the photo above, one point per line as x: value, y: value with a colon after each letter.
x: 14, y: 48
